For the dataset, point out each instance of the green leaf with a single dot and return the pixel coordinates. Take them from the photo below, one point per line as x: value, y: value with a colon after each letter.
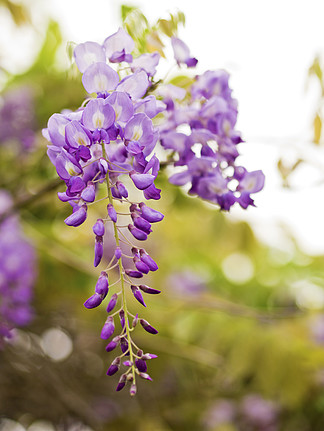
x: 317, y: 124
x: 126, y: 10
x: 166, y: 27
x: 182, y: 81
x: 53, y: 39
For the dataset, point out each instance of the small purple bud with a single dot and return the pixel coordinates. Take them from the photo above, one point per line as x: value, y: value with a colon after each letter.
x: 139, y: 353
x: 112, y: 303
x: 133, y: 208
x: 103, y: 166
x: 89, y: 193
x: 116, y: 193
x: 93, y: 301
x: 141, y: 365
x: 108, y: 328
x: 149, y: 356
x: 122, y: 189
x: 133, y: 274
x: 145, y: 376
x: 137, y: 233
x: 128, y: 363
x: 114, y: 367
x: 77, y: 217
x: 113, y: 344
x: 121, y: 383
x: 133, y: 390
x: 148, y: 289
x: 148, y: 327
x: 122, y: 318
x: 102, y: 284
x: 141, y: 266
x: 141, y: 223
x: 148, y: 260
x: 135, y: 320
x: 151, y: 215
x: 99, y: 227
x: 98, y: 251
x: 118, y: 253
x: 134, y: 251
x: 137, y: 294
x: 124, y: 346
x: 112, y: 213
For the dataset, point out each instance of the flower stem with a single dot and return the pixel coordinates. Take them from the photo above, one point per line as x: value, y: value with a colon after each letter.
x: 121, y: 273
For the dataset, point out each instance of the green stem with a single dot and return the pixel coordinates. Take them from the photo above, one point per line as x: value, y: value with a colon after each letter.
x: 122, y: 280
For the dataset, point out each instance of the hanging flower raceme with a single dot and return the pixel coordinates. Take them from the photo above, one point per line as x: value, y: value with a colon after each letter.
x: 17, y: 273
x: 110, y: 141
x: 208, y: 149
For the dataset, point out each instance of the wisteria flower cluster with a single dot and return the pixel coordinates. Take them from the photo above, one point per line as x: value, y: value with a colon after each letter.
x: 17, y: 273
x: 112, y: 138
x: 17, y: 118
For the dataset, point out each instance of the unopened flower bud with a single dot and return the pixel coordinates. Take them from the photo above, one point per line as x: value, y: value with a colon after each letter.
x: 141, y: 365
x: 121, y: 383
x: 98, y: 250
x: 133, y: 390
x: 145, y: 376
x: 148, y: 289
x: 99, y: 227
x: 135, y: 321
x: 133, y: 274
x: 138, y: 295
x: 108, y: 328
x: 112, y: 213
x: 151, y: 215
x: 112, y: 303
x: 118, y: 253
x: 148, y: 327
x: 137, y: 233
x: 102, y: 285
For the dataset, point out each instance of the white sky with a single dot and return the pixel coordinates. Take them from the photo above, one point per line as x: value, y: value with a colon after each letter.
x: 267, y: 46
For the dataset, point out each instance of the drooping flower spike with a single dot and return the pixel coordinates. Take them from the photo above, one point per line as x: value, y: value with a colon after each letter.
x: 111, y: 142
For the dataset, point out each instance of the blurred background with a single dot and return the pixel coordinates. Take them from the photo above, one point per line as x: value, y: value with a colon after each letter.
x: 240, y: 317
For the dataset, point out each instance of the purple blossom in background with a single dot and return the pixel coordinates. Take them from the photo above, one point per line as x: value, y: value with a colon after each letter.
x: 186, y: 283
x: 220, y: 413
x: 259, y: 413
x: 17, y: 118
x: 17, y: 273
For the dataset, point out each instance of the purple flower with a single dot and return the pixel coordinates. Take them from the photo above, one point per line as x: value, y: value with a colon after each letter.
x: 139, y: 129
x: 17, y: 273
x: 99, y: 77
x: 98, y: 114
x: 135, y: 85
x: 88, y: 53
x: 182, y: 53
x: 146, y: 62
x: 119, y: 46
